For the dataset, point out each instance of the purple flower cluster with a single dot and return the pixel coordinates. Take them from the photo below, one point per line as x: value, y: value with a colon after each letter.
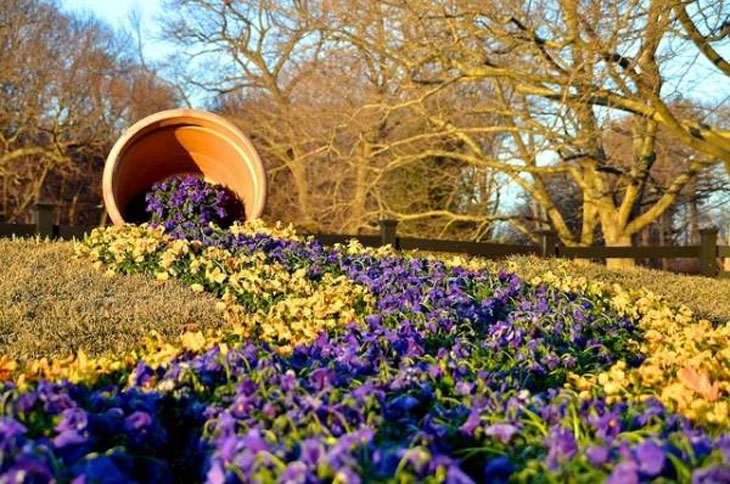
x: 186, y: 204
x: 59, y: 432
x: 456, y: 377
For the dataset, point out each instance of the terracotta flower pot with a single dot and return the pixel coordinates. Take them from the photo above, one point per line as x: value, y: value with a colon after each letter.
x: 181, y: 141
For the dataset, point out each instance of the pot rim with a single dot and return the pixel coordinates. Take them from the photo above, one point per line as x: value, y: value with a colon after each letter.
x: 188, y: 117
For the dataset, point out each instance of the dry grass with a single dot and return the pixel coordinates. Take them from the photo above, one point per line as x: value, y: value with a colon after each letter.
x: 51, y: 304
x: 709, y: 298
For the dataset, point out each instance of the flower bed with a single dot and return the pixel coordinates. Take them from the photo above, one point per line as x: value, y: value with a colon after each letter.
x: 359, y: 365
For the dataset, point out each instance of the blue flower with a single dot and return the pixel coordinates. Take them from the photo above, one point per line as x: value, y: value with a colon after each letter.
x: 650, y: 457
x: 98, y: 470
x: 498, y: 470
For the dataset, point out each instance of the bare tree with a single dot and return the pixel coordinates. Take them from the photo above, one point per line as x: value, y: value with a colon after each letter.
x: 337, y: 123
x: 69, y: 85
x: 352, y: 100
x: 561, y: 73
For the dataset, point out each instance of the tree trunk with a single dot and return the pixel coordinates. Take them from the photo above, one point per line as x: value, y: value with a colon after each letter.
x: 359, y: 197
x: 694, y: 224
x: 663, y: 239
x: 619, y: 241
x: 304, y: 209
x: 726, y: 262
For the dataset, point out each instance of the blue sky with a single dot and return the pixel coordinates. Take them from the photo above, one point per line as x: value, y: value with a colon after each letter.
x: 116, y: 14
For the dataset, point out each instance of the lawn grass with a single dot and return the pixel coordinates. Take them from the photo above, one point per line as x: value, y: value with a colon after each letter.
x: 52, y: 304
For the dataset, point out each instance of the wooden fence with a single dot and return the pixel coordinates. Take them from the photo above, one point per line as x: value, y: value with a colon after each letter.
x: 708, y: 252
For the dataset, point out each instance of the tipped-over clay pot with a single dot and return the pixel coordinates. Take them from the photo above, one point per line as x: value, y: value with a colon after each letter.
x: 181, y: 141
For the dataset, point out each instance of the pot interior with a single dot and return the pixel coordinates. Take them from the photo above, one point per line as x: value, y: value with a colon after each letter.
x: 163, y: 151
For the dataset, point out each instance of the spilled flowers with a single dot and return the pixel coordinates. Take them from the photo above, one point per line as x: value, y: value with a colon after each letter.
x: 352, y: 365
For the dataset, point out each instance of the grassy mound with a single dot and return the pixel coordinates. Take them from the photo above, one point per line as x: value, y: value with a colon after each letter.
x: 52, y: 305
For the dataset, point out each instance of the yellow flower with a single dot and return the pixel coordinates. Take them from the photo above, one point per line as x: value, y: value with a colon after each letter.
x: 216, y: 275
x: 193, y: 341
x: 7, y: 367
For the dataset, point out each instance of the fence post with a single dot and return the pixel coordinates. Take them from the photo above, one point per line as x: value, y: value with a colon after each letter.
x: 43, y: 218
x: 102, y: 214
x: 548, y: 243
x: 708, y: 251
x: 387, y: 232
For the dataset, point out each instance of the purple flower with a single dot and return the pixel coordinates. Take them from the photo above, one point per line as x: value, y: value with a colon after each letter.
x: 402, y: 405
x: 229, y: 446
x: 464, y: 388
x: 311, y: 452
x: 254, y: 442
x: 288, y: 381
x: 607, y: 425
x: 624, y: 473
x: 471, y: 423
x: 435, y: 371
x: 30, y: 470
x: 10, y: 428
x: 597, y: 455
x: 54, y: 402
x: 100, y: 469
x: 69, y: 438
x: 247, y: 388
x: 650, y: 457
x: 142, y: 374
x: 701, y: 444
x: 73, y: 420
x: 498, y: 471
x: 321, y: 378
x: 27, y: 401
x: 185, y: 205
x: 711, y: 475
x: 561, y: 446
x: 503, y: 431
x: 724, y: 445
x: 454, y: 475
x: 216, y: 474
x: 295, y: 473
x: 138, y: 422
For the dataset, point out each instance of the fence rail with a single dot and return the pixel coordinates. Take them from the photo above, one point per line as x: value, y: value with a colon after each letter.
x: 708, y: 252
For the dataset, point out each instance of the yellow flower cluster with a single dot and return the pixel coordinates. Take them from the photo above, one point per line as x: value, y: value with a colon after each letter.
x: 132, y: 243
x: 687, y: 361
x: 283, y: 308
x: 354, y: 247
x: 258, y: 226
x: 81, y: 368
x: 260, y: 298
x: 302, y: 315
